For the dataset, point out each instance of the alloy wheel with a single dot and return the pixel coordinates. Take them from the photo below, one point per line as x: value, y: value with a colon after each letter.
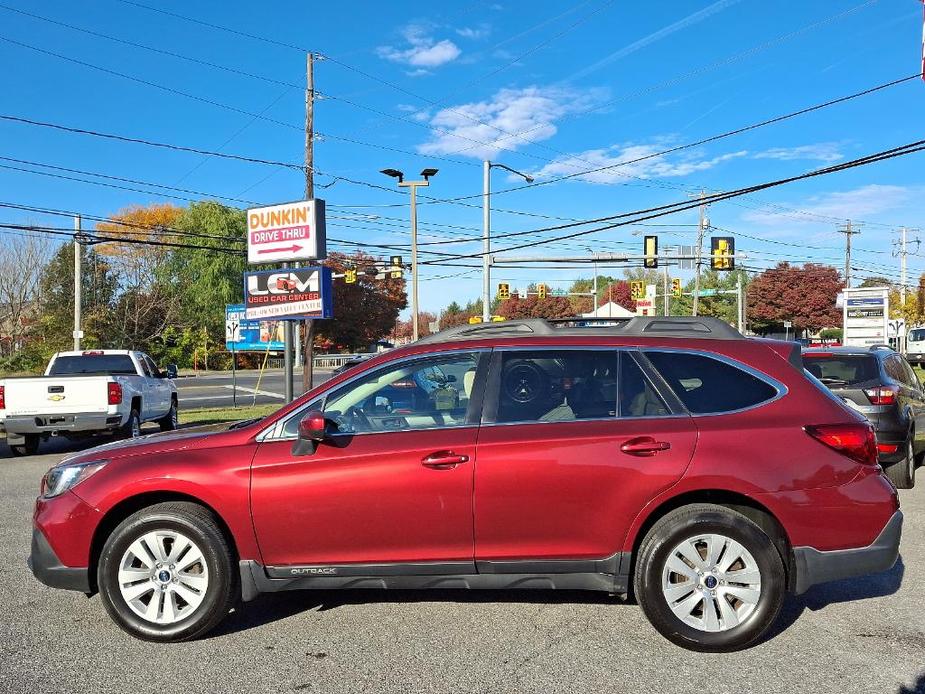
x: 711, y: 582
x: 163, y: 577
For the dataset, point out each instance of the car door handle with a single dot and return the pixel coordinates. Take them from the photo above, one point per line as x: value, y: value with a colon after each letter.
x: 443, y: 460
x: 644, y: 446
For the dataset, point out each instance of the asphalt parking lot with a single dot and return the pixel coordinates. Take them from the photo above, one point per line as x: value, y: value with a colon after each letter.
x: 865, y: 635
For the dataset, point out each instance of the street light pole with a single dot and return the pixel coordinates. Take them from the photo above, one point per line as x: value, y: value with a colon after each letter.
x: 413, y: 185
x: 487, y: 166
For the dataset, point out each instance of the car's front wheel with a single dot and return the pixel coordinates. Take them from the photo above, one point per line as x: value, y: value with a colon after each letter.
x: 166, y: 573
x: 709, y: 579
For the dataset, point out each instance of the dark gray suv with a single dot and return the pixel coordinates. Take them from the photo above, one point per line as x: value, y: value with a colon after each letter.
x: 880, y: 384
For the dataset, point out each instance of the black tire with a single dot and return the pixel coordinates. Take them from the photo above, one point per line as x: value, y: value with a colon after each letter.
x: 691, y: 521
x: 132, y: 427
x: 29, y: 447
x: 169, y: 422
x: 902, y: 474
x: 199, y: 525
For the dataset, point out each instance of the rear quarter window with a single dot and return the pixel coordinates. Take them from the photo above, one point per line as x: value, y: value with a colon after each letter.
x: 707, y: 385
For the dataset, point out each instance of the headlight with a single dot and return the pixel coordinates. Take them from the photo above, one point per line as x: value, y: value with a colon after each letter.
x: 63, y: 477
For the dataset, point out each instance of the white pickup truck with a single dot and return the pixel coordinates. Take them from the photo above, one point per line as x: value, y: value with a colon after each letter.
x: 83, y: 393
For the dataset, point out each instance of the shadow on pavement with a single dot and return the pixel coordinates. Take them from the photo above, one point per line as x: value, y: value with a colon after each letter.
x: 918, y: 687
x: 848, y: 590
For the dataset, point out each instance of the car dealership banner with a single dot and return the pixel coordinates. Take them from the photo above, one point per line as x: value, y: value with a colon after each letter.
x: 288, y: 294
x: 866, y: 313
x: 286, y: 233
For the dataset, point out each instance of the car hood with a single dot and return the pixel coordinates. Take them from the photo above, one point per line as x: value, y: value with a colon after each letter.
x: 182, y: 439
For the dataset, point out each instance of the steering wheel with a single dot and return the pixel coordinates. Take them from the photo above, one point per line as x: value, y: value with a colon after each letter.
x: 524, y: 382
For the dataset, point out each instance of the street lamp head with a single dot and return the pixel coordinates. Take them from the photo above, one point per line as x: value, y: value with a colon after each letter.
x: 529, y: 179
x: 427, y: 173
x: 394, y: 173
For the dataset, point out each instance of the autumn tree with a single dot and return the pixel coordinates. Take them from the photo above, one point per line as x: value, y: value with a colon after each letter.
x: 534, y: 307
x: 146, y: 305
x: 803, y: 294
x: 404, y: 329
x: 364, y: 311
x: 21, y: 262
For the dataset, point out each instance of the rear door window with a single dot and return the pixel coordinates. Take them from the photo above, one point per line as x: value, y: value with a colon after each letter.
x: 839, y: 370
x: 707, y: 385
x: 638, y: 397
x: 557, y: 385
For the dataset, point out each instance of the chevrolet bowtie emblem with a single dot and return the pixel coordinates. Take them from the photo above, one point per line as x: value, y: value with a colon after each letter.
x: 56, y: 398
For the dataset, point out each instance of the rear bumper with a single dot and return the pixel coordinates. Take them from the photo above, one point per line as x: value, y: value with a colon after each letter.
x: 48, y: 569
x: 813, y: 566
x: 65, y: 422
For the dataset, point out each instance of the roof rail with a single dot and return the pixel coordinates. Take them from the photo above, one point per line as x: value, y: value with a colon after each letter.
x: 881, y: 346
x: 650, y: 326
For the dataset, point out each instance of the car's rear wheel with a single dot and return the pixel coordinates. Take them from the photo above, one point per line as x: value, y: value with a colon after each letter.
x: 902, y: 474
x: 166, y: 573
x: 29, y: 447
x: 709, y: 579
x: 132, y: 427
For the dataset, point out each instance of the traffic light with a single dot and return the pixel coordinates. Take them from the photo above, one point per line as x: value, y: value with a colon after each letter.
x: 650, y: 251
x: 504, y: 291
x: 722, y: 250
x: 475, y: 320
x: 541, y: 291
x: 395, y: 269
x: 637, y: 290
x: 350, y: 276
x: 498, y: 319
x: 676, y: 287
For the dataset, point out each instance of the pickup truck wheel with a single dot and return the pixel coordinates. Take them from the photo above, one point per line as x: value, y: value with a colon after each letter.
x: 170, y: 421
x: 709, y: 579
x: 132, y: 427
x: 30, y: 447
x: 166, y: 573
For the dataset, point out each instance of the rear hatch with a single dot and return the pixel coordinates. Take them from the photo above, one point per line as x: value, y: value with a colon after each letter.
x: 848, y: 376
x: 54, y: 395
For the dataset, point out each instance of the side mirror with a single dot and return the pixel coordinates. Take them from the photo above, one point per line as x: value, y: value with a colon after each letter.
x: 171, y: 371
x: 313, y: 429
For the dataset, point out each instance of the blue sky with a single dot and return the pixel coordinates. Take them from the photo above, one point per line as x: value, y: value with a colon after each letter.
x: 547, y: 88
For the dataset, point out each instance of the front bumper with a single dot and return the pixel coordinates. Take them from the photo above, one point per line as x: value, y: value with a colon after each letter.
x: 813, y: 566
x: 48, y: 569
x: 65, y: 422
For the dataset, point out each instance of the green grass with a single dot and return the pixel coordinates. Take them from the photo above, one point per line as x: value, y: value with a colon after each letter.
x: 216, y: 415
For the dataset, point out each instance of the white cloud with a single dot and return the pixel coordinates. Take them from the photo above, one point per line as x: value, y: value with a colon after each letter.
x: 474, y: 33
x: 822, y: 151
x: 623, y: 162
x: 424, y: 50
x: 850, y: 204
x: 531, y: 113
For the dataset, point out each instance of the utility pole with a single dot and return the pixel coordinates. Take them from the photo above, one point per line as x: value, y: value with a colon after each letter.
x: 902, y: 267
x: 486, y: 241
x: 308, y: 360
x: 699, y: 261
x: 740, y: 303
x: 595, y: 288
x: 487, y: 166
x: 848, y: 231
x: 78, y: 251
x: 666, y: 298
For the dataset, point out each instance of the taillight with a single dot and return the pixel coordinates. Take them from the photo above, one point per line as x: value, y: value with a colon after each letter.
x: 853, y: 439
x: 884, y: 395
x: 2, y: 397
x: 114, y: 392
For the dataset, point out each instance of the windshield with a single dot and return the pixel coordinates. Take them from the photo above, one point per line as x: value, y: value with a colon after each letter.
x: 916, y: 335
x: 94, y: 365
x: 842, y: 369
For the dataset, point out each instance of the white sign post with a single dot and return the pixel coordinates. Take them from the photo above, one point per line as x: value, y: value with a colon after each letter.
x: 865, y: 314
x: 286, y: 233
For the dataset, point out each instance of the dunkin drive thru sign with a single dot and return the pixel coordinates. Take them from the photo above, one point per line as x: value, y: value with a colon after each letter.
x: 286, y: 233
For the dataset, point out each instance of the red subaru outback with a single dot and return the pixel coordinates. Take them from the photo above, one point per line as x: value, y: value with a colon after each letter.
x: 706, y: 473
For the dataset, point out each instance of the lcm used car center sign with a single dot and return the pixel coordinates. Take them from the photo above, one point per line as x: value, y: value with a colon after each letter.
x: 303, y: 292
x: 286, y: 233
